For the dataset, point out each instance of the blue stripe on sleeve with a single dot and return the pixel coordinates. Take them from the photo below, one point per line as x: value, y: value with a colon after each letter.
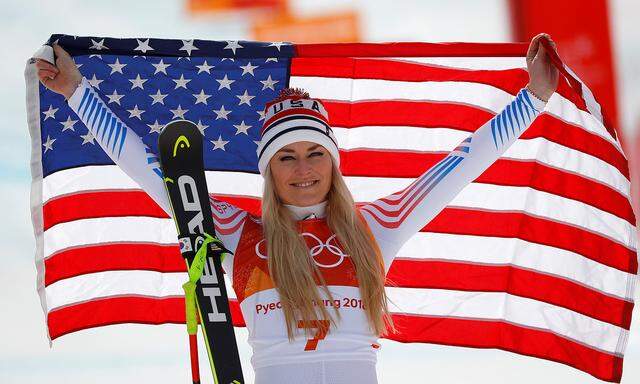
x: 111, y: 134
x: 507, y: 112
x: 103, y: 127
x: 493, y: 132
x: 108, y: 130
x: 97, y: 113
x: 92, y: 107
x: 89, y: 109
x: 451, y: 166
x: 499, y: 123
x: 124, y: 134
x: 102, y: 116
x: 115, y: 138
x: 519, y: 105
x: 514, y: 112
x: 110, y: 126
x: 440, y: 167
x: 85, y: 97
x: 433, y: 169
x: 525, y: 96
x: 505, y: 123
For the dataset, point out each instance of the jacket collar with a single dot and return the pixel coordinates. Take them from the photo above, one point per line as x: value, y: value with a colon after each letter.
x: 317, y: 211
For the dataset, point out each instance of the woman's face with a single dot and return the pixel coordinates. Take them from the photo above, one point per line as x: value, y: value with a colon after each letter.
x: 302, y: 173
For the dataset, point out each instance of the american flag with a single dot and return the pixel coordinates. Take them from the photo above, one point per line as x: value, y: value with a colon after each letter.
x: 537, y: 256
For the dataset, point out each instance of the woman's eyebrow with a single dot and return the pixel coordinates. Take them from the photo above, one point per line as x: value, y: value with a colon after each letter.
x: 293, y: 151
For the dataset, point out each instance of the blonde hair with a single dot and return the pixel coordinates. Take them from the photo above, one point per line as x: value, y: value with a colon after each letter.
x: 296, y: 276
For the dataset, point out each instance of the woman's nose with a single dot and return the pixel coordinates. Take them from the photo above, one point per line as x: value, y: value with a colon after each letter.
x: 303, y: 167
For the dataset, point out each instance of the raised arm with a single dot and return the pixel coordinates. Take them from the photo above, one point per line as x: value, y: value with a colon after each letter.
x: 123, y: 145
x: 395, y: 218
x: 120, y: 142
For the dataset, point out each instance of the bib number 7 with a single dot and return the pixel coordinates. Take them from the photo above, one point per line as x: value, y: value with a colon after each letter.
x: 322, y: 327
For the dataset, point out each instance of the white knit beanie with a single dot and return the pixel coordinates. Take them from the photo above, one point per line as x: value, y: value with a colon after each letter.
x: 293, y: 117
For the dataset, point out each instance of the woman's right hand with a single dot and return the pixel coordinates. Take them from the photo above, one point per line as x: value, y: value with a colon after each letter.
x: 63, y: 77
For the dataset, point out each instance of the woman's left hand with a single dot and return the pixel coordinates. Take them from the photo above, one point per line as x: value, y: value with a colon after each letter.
x: 543, y: 75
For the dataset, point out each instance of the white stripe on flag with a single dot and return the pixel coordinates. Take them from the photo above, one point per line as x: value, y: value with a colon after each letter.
x: 107, y: 230
x: 509, y: 308
x: 444, y: 140
x: 485, y: 250
x: 476, y: 63
x: 84, y: 179
x: 548, y: 206
x: 92, y: 286
x: 478, y: 95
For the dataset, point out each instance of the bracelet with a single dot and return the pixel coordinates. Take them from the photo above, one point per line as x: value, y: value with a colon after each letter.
x: 76, y: 88
x: 534, y: 94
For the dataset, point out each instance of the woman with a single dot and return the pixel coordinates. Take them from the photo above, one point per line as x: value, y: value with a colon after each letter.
x: 310, y: 275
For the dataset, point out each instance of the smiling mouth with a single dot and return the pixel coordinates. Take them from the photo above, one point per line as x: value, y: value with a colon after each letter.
x: 305, y: 184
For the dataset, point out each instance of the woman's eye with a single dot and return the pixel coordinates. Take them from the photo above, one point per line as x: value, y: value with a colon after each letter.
x: 316, y: 154
x: 285, y: 158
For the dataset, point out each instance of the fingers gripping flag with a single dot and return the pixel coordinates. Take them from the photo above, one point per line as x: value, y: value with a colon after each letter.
x: 537, y: 256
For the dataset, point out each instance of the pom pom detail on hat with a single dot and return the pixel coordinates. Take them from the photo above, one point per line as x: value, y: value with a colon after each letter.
x: 291, y: 93
x: 291, y: 117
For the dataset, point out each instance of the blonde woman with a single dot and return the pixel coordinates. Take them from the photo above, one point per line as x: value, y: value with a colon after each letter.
x: 310, y: 274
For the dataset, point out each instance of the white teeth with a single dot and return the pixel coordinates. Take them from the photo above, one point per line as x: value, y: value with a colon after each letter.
x: 306, y: 184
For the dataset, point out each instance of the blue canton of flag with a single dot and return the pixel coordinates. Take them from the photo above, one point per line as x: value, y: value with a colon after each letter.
x: 220, y: 86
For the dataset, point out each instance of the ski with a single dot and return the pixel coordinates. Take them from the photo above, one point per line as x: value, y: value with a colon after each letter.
x: 181, y: 157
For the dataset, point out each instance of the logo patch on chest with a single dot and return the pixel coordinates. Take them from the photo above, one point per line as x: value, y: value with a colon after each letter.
x: 325, y: 254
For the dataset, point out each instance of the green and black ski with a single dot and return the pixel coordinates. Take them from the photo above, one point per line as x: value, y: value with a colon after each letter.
x: 181, y: 157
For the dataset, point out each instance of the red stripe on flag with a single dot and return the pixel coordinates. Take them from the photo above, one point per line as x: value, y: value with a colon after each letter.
x: 115, y: 310
x: 469, y: 119
x: 509, y: 337
x: 404, y: 113
x: 437, y: 274
x: 536, y: 230
x: 519, y: 173
x: 411, y: 50
x: 576, y: 137
x: 508, y: 80
x: 121, y: 310
x: 112, y: 203
x: 113, y: 257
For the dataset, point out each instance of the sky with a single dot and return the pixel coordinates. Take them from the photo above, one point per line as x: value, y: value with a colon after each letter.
x: 124, y: 353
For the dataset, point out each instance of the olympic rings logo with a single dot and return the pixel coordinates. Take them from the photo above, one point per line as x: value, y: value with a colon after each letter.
x: 330, y: 245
